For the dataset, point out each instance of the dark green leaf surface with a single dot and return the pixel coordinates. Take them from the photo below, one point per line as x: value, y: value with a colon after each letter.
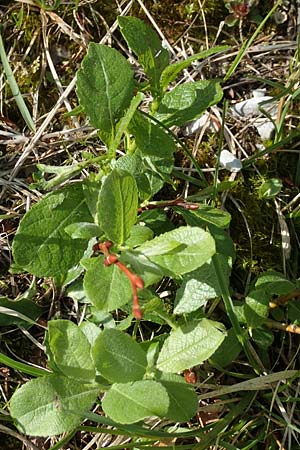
x: 228, y: 350
x: 132, y: 402
x: 190, y: 345
x: 107, y: 288
x: 150, y: 172
x: 41, y: 245
x: 188, y: 101
x: 256, y: 308
x: 145, y: 43
x: 117, y: 206
x: 70, y: 350
x: 182, y: 396
x: 104, y: 86
x: 206, y: 215
x: 118, y: 357
x: 150, y: 138
x: 14, y: 310
x: 274, y: 283
x: 139, y: 234
x: 51, y: 405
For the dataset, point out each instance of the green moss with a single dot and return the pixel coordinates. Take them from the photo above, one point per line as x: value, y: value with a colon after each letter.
x: 262, y: 222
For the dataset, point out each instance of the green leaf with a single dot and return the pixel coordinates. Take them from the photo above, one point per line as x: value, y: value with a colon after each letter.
x: 262, y: 337
x: 51, y: 405
x: 41, y: 236
x: 170, y: 72
x: 107, y: 288
x: 188, y: 101
x: 150, y: 172
x: 256, y: 308
x: 18, y: 312
x: 293, y: 311
x: 157, y: 220
x: 190, y: 345
x: 70, y: 350
x: 124, y: 122
x: 132, y: 402
x: 118, y: 357
x: 91, y: 191
x: 145, y: 43
x: 90, y: 330
x: 83, y: 230
x: 138, y: 235
x: 227, y: 351
x: 270, y: 188
x: 150, y: 138
x: 62, y: 174
x: 274, y: 283
x: 183, y: 399
x: 104, y: 86
x: 118, y: 205
x: 150, y: 272
x: 179, y: 251
x: 199, y: 286
x: 206, y: 215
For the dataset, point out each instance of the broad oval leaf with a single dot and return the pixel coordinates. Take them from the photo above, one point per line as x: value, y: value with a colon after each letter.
x: 188, y: 101
x: 83, y: 230
x: 190, y: 345
x: 179, y: 251
x: 183, y: 399
x: 104, y: 86
x: 41, y: 245
x: 70, y: 350
x: 107, y: 288
x: 200, y: 285
x: 118, y: 357
x: 117, y: 206
x: 150, y: 138
x: 132, y: 402
x: 206, y: 215
x: 51, y: 405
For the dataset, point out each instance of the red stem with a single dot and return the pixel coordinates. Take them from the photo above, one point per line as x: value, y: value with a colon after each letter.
x: 135, y: 280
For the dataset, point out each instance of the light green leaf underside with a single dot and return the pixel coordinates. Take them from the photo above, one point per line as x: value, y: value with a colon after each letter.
x: 179, y: 251
x: 70, y: 350
x: 107, y: 288
x: 51, y: 405
x: 190, y: 345
x: 132, y: 402
x: 117, y: 206
x: 188, y: 101
x: 118, y: 357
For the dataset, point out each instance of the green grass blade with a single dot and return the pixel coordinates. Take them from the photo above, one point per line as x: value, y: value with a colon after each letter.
x: 15, y: 88
x: 249, y: 42
x: 25, y: 368
x: 241, y: 336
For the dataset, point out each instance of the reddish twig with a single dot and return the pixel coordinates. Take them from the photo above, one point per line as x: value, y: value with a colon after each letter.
x: 135, y: 280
